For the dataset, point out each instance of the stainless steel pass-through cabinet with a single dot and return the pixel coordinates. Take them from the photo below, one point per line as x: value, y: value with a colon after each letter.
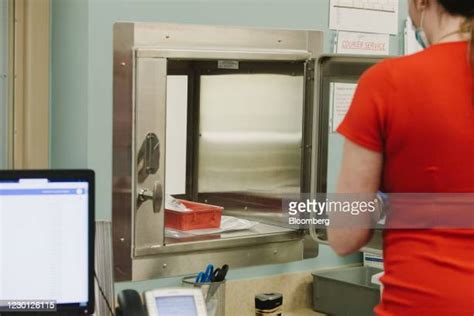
x: 220, y: 115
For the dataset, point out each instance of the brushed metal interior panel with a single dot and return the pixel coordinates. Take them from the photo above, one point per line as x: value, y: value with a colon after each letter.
x: 250, y: 133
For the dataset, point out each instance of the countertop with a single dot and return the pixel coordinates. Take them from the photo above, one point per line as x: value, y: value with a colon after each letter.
x: 296, y: 288
x: 303, y: 312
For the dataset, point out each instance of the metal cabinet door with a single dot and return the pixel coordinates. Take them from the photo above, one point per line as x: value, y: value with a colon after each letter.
x: 335, y: 69
x: 149, y: 136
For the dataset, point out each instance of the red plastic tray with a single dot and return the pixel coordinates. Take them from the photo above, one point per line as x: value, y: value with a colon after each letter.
x: 202, y: 216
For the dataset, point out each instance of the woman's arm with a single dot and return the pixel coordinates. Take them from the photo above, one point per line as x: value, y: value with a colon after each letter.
x: 360, y: 173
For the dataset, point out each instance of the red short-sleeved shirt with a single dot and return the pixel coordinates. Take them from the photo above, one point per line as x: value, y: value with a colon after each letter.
x: 418, y: 111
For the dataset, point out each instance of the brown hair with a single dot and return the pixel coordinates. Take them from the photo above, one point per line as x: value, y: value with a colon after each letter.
x: 468, y: 27
x: 472, y: 46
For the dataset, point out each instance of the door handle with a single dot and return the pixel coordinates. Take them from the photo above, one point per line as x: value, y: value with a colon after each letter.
x: 155, y: 195
x: 152, y: 153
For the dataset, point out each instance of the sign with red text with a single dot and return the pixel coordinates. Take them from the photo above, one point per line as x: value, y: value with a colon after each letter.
x: 362, y: 43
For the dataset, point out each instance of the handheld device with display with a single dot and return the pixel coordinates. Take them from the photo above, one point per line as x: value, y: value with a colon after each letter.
x: 174, y: 302
x: 162, y: 302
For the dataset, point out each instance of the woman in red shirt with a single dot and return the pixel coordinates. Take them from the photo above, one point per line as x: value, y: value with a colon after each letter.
x: 410, y: 129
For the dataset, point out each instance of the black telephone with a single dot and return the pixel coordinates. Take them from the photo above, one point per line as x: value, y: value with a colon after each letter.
x: 130, y: 304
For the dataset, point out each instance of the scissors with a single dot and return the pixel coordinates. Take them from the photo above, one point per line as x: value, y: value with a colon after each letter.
x: 207, y: 275
x: 217, y: 277
x: 220, y: 274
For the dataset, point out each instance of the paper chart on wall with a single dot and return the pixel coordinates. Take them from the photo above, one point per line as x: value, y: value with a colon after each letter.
x: 341, y: 99
x: 371, y: 16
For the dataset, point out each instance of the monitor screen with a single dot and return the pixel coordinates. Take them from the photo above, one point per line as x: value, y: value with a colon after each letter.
x: 176, y: 305
x: 45, y: 240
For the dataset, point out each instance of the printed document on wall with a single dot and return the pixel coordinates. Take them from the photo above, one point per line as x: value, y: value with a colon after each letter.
x: 371, y: 16
x: 341, y: 99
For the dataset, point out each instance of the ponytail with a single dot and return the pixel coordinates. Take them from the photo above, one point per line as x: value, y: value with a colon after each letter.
x: 468, y: 27
x: 471, y: 41
x: 471, y: 55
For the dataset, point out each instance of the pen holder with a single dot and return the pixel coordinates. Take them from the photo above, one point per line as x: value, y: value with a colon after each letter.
x: 213, y: 292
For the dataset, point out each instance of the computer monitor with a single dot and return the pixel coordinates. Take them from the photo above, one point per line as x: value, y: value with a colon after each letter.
x: 47, y: 240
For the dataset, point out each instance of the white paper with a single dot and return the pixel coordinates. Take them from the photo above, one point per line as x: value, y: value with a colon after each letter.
x: 228, y: 224
x: 362, y: 43
x: 371, y: 16
x: 411, y: 44
x: 173, y: 204
x: 341, y: 99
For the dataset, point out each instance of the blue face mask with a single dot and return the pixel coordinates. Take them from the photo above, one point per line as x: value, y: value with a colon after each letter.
x: 421, y: 38
x: 420, y: 34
